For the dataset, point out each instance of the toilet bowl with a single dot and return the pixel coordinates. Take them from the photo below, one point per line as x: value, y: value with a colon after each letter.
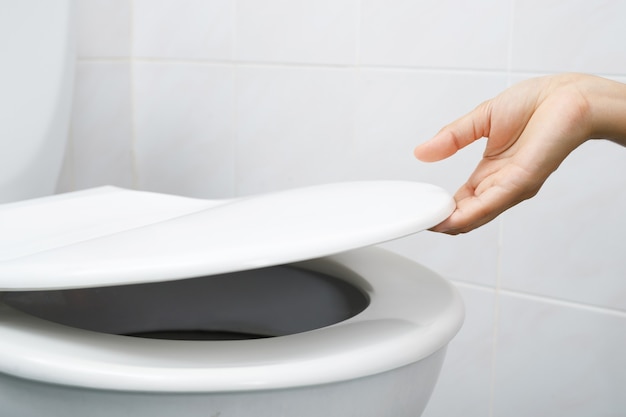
x: 270, y: 305
x: 117, y: 302
x: 369, y: 365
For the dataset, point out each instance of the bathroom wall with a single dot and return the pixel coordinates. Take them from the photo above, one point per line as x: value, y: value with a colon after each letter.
x: 219, y: 98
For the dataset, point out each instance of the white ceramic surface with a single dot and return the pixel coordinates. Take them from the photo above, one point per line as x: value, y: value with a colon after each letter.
x: 435, y: 34
x: 101, y: 134
x: 37, y: 53
x: 558, y: 359
x: 121, y: 237
x: 412, y: 313
x: 303, y: 117
x: 321, y: 31
x: 184, y: 133
x: 547, y: 36
x: 104, y: 28
x: 402, y: 393
x: 187, y: 29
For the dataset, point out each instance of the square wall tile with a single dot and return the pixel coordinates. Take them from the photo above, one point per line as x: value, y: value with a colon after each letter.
x: 101, y: 132
x: 183, y: 29
x: 556, y: 360
x: 295, y: 127
x: 185, y: 128
x: 431, y: 34
x: 559, y: 35
x: 464, y: 385
x: 103, y: 28
x: 297, y: 31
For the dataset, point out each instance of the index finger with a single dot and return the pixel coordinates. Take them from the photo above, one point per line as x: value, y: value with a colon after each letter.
x: 457, y: 135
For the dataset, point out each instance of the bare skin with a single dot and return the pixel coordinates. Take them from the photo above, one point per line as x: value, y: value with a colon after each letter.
x: 530, y: 129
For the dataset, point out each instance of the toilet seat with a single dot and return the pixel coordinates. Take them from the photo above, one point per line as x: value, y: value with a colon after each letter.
x: 412, y: 311
x: 111, y: 236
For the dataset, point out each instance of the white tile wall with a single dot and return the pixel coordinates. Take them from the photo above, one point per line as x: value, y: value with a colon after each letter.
x: 105, y: 28
x: 184, y: 128
x: 435, y: 34
x: 397, y: 109
x: 558, y: 360
x: 213, y: 98
x: 557, y: 35
x: 101, y: 127
x: 297, y: 31
x: 301, y: 117
x: 183, y: 29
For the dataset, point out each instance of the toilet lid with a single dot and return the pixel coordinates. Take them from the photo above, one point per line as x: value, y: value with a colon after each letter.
x: 112, y: 236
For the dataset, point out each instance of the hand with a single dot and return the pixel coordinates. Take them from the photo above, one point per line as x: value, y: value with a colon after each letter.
x: 530, y: 129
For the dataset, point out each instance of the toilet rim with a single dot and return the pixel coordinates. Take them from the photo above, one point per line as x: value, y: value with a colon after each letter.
x: 413, y: 313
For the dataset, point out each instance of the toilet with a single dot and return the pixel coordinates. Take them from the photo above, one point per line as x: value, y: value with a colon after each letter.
x: 117, y: 302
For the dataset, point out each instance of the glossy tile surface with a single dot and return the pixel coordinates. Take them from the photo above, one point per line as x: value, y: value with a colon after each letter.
x: 552, y: 359
x: 435, y: 34
x: 320, y: 32
x: 294, y: 127
x: 184, y: 127
x: 569, y: 36
x: 104, y: 28
x: 399, y: 109
x: 101, y: 127
x: 185, y: 29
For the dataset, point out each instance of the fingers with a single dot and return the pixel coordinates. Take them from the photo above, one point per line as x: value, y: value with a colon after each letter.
x: 471, y: 213
x: 479, y: 203
x: 456, y: 135
x: 531, y: 128
x: 474, y: 211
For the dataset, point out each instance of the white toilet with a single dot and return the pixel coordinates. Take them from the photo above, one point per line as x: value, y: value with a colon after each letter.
x: 125, y: 303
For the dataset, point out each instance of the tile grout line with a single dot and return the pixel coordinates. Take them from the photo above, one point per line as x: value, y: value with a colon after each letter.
x: 496, y: 317
x: 500, y: 243
x: 236, y: 88
x: 542, y: 298
x: 133, y: 100
x: 509, y: 64
x: 340, y: 67
x: 298, y: 65
x: 357, y: 58
x: 357, y: 92
x: 69, y: 148
x: 565, y: 303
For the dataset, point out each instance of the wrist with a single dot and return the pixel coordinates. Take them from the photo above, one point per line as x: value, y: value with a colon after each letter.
x: 607, y: 108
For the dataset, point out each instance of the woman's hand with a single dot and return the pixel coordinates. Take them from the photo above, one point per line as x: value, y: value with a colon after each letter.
x: 530, y: 129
